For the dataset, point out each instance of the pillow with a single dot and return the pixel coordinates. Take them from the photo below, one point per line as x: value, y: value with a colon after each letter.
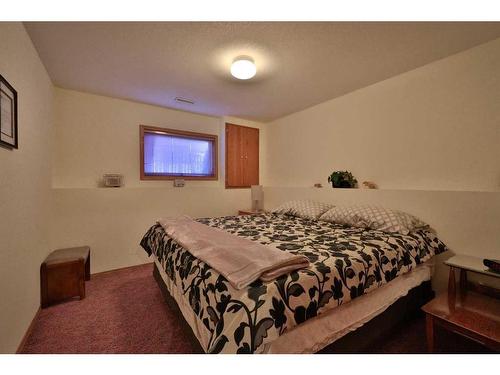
x: 305, y: 209
x: 372, y: 217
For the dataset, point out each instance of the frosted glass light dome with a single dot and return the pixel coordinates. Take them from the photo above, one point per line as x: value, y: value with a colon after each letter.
x: 243, y: 68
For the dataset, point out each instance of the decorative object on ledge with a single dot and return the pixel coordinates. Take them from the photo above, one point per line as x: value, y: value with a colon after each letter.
x: 112, y: 180
x: 257, y: 198
x: 342, y: 179
x: 370, y: 185
x: 318, y: 185
x: 8, y: 114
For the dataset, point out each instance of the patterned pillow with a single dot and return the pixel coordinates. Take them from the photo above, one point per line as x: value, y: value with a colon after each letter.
x: 379, y: 218
x: 305, y: 209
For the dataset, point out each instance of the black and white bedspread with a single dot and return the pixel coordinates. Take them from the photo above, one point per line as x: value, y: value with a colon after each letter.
x: 345, y: 264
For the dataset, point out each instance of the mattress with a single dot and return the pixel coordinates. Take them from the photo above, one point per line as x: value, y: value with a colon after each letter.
x: 346, y: 263
x: 319, y: 332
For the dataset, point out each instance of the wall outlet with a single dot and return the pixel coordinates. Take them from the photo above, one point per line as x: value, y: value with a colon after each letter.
x: 179, y: 182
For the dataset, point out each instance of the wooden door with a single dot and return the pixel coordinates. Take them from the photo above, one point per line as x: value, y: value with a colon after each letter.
x: 234, y: 156
x: 242, y: 156
x: 251, y: 156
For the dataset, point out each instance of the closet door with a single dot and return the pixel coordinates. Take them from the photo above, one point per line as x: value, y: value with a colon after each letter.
x: 234, y: 156
x: 242, y: 156
x: 251, y: 156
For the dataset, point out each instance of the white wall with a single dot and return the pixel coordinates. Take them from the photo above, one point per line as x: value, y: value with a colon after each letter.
x: 24, y: 186
x: 430, y: 139
x: 96, y: 135
x: 434, y: 128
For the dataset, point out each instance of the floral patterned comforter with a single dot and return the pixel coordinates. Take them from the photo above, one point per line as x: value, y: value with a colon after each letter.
x: 345, y: 263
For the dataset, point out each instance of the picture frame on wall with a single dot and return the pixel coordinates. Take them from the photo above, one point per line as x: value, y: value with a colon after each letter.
x: 8, y: 115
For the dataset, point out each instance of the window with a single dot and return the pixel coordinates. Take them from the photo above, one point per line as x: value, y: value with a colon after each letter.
x: 167, y: 154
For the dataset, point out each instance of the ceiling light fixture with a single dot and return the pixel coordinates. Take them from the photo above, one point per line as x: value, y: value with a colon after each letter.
x: 243, y: 67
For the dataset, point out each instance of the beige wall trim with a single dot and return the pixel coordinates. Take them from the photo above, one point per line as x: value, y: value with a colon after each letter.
x: 121, y: 268
x: 28, y: 332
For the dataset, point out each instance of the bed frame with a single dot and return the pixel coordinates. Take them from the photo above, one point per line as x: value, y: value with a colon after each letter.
x: 358, y: 341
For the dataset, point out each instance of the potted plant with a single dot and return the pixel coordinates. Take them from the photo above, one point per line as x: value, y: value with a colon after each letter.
x: 342, y: 179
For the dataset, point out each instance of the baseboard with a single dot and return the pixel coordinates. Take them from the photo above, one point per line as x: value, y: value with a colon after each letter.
x: 28, y: 332
x: 121, y: 268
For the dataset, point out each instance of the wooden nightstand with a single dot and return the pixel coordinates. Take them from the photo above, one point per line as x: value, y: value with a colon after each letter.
x: 468, y: 311
x: 63, y: 274
x: 249, y: 212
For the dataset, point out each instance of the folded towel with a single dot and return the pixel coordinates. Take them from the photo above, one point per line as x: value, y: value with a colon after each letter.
x: 239, y: 260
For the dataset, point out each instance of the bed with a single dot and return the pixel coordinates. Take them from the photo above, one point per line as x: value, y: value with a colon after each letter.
x: 354, y: 275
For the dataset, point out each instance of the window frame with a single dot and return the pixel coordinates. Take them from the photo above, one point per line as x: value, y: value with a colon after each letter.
x: 185, y: 134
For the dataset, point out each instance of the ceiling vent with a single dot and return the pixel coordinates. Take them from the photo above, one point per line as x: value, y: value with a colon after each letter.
x: 184, y: 100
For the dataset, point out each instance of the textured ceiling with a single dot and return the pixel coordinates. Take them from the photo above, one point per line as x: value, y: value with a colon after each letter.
x: 299, y: 64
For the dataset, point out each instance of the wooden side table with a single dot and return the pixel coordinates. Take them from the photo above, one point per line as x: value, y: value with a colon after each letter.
x: 249, y: 212
x: 63, y: 274
x: 472, y: 311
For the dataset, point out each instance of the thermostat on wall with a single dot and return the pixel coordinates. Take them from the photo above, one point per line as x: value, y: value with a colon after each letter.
x: 179, y: 182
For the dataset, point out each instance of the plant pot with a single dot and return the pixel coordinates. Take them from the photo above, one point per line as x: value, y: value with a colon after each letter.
x: 342, y: 185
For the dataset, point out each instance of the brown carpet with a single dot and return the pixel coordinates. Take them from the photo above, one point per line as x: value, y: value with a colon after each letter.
x: 124, y: 312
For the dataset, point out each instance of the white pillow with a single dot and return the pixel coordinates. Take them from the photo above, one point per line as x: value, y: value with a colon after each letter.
x: 303, y: 208
x: 372, y: 217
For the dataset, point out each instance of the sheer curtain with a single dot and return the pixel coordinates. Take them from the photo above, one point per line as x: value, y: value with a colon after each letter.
x: 177, y: 155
